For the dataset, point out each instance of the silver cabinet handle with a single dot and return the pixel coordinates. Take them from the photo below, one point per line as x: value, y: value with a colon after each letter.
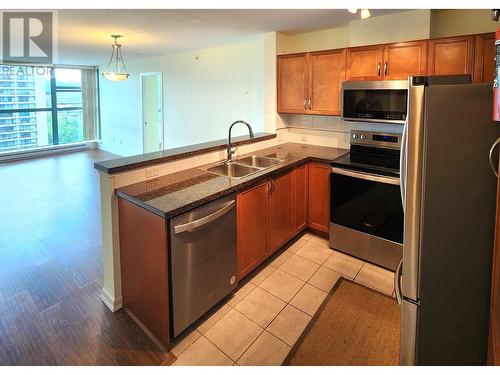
x: 397, y: 282
x: 193, y: 225
x: 378, y: 69
x: 305, y: 103
x: 492, y: 163
x: 402, y: 166
x: 385, y: 68
x: 310, y: 101
x: 366, y: 176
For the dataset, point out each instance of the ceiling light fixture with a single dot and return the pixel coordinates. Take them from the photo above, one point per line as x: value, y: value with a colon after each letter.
x: 365, y: 13
x: 115, y: 70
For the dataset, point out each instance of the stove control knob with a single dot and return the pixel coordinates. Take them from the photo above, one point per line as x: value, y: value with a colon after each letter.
x: 355, y: 136
x: 362, y: 137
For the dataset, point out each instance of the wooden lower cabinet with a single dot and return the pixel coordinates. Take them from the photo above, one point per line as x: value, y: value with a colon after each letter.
x: 319, y: 197
x: 272, y: 213
x: 282, y: 209
x: 301, y: 197
x: 144, y: 273
x: 252, y: 228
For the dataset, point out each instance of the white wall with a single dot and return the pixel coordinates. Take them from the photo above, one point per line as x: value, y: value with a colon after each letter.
x: 409, y: 25
x: 204, y: 91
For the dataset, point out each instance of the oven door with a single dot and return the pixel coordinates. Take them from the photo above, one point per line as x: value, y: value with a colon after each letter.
x: 367, y: 203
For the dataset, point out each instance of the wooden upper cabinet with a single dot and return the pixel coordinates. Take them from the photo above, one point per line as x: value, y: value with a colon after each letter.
x: 301, y: 196
x: 484, y: 62
x: 451, y: 55
x: 364, y: 63
x: 292, y: 83
x: 282, y: 219
x: 326, y: 73
x: 252, y: 228
x: 405, y: 59
x: 319, y: 197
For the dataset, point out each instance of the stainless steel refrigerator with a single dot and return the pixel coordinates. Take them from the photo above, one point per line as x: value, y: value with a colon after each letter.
x: 448, y: 193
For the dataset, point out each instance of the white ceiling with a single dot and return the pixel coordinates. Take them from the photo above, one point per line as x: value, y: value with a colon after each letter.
x: 84, y: 35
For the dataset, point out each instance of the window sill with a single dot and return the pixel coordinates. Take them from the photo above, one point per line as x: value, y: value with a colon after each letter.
x: 17, y: 155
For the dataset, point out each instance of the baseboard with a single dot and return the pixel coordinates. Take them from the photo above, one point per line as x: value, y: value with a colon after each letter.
x: 113, y: 304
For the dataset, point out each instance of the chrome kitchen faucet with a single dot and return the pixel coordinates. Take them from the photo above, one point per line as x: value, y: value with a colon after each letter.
x: 230, y: 151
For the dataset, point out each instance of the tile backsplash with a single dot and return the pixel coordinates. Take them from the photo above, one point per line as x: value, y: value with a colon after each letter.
x: 329, y: 130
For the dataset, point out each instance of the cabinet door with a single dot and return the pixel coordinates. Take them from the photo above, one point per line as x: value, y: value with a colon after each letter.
x: 253, y: 213
x: 405, y: 59
x: 282, y: 226
x: 484, y: 62
x: 292, y: 83
x: 326, y: 73
x: 301, y: 198
x: 364, y: 63
x: 319, y: 197
x: 451, y: 55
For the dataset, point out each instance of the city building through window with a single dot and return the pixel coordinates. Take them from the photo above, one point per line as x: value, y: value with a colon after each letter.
x: 42, y: 106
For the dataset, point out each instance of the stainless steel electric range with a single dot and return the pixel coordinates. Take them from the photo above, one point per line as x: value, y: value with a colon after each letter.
x: 366, y: 213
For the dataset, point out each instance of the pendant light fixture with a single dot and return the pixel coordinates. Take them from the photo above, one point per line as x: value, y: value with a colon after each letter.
x: 116, y: 71
x: 365, y: 13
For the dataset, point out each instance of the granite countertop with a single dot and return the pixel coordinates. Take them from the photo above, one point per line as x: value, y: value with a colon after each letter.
x: 176, y: 193
x: 152, y: 158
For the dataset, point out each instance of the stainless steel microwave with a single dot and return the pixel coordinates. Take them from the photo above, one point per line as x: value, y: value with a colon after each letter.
x: 375, y: 101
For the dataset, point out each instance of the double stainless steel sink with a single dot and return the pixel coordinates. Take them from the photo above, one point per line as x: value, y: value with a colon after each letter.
x: 245, y: 166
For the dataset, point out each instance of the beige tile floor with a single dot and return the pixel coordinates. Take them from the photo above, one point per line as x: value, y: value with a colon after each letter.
x: 260, y: 322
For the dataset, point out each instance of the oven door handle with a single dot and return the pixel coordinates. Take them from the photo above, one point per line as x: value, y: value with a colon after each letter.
x: 366, y: 176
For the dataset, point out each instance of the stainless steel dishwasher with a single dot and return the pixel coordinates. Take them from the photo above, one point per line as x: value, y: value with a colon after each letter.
x: 202, y: 260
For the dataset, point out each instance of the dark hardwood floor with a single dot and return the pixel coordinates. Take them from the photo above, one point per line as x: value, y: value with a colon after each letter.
x: 51, y: 270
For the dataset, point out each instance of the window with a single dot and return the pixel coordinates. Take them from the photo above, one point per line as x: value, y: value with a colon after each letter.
x: 43, y: 107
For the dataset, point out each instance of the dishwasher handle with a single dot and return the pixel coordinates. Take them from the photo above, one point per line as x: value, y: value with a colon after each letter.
x: 195, y: 224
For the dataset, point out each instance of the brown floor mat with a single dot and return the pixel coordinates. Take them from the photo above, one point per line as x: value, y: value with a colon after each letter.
x: 354, y: 326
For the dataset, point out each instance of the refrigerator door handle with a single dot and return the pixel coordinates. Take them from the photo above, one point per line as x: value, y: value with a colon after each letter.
x: 490, y: 156
x: 397, y: 282
x: 402, y: 165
